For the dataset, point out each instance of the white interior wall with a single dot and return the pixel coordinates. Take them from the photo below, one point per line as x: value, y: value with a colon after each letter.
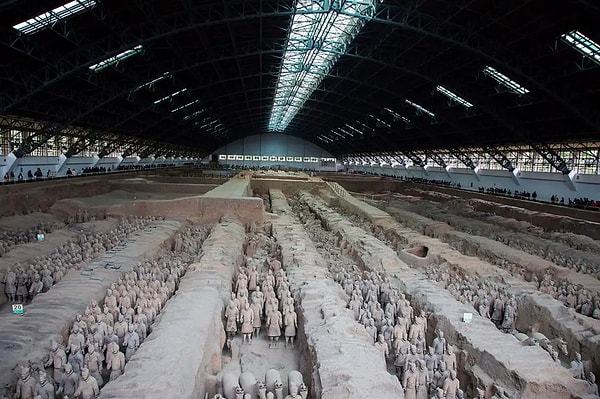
x: 545, y: 184
x: 275, y: 144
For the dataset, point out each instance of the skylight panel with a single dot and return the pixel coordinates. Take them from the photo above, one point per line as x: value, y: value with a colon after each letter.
x: 152, y: 82
x: 345, y: 132
x: 397, y: 116
x: 420, y: 108
x: 170, y: 96
x: 454, y: 97
x: 583, y: 44
x: 324, y: 139
x: 49, y: 18
x: 365, y: 126
x: 117, y: 58
x: 379, y: 121
x: 185, y: 106
x: 341, y: 136
x: 318, y: 36
x: 353, y: 128
x: 195, y: 114
x: 505, y: 81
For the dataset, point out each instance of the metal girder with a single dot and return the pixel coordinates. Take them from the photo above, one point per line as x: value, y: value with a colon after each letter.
x: 467, y: 38
x: 414, y: 157
x: 463, y: 157
x: 59, y: 66
x: 437, y: 159
x: 552, y: 157
x: 499, y: 157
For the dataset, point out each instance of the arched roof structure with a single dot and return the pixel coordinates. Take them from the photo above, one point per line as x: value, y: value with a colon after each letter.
x: 187, y: 77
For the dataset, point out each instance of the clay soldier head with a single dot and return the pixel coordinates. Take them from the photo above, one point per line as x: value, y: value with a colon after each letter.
x: 453, y: 374
x: 85, y: 374
x: 68, y: 368
x: 24, y: 373
x: 43, y: 377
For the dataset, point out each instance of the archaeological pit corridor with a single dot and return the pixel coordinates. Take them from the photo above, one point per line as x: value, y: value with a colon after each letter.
x: 282, y: 285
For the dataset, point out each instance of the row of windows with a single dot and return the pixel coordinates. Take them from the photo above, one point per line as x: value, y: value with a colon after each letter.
x: 272, y: 158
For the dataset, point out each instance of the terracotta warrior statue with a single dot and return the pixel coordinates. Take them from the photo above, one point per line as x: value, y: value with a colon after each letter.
x: 88, y: 386
x: 247, y: 320
x: 274, y: 321
x: 44, y: 389
x: 57, y: 359
x: 291, y: 324
x: 25, y: 385
x: 451, y: 385
x: 116, y: 364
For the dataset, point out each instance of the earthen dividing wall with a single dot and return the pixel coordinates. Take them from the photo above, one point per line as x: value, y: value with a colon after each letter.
x: 535, y: 309
x: 492, y: 355
x: 185, y: 346
x: 345, y: 362
x: 199, y: 209
x: 288, y: 187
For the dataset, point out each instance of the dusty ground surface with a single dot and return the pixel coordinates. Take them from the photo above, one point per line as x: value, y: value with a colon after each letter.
x: 465, y: 234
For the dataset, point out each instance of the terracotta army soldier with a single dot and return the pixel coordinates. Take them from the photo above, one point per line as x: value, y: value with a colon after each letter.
x: 577, y: 367
x: 439, y: 394
x: 439, y: 344
x: 25, y: 385
x: 57, y: 358
x: 449, y: 358
x: 440, y: 375
x: 508, y: 319
x: 431, y: 362
x: 451, y: 385
x: 410, y: 382
x: 36, y: 286
x: 120, y: 328
x: 382, y: 347
x: 592, y: 386
x: 87, y: 387
x: 68, y: 385
x: 10, y: 285
x: 247, y: 320
x: 371, y: 329
x: 116, y: 365
x: 132, y: 342
x: 76, y: 338
x: 231, y: 318
x: 76, y: 359
x: 401, y: 350
x: 274, y: 321
x: 291, y: 324
x: 93, y: 362
x: 256, y: 323
x: 44, y: 389
x: 423, y: 387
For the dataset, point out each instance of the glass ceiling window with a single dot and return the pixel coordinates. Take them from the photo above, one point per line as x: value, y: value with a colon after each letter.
x: 454, y: 97
x: 152, y: 82
x: 505, y: 81
x: 195, y: 114
x: 115, y: 59
x: 379, y: 121
x: 170, y: 96
x: 353, y: 128
x: 397, y: 117
x: 319, y: 33
x: 49, y: 18
x: 345, y: 132
x: 420, y: 108
x: 583, y: 44
x: 185, y: 106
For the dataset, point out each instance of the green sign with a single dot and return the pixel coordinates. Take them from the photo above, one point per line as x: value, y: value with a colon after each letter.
x: 18, y: 309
